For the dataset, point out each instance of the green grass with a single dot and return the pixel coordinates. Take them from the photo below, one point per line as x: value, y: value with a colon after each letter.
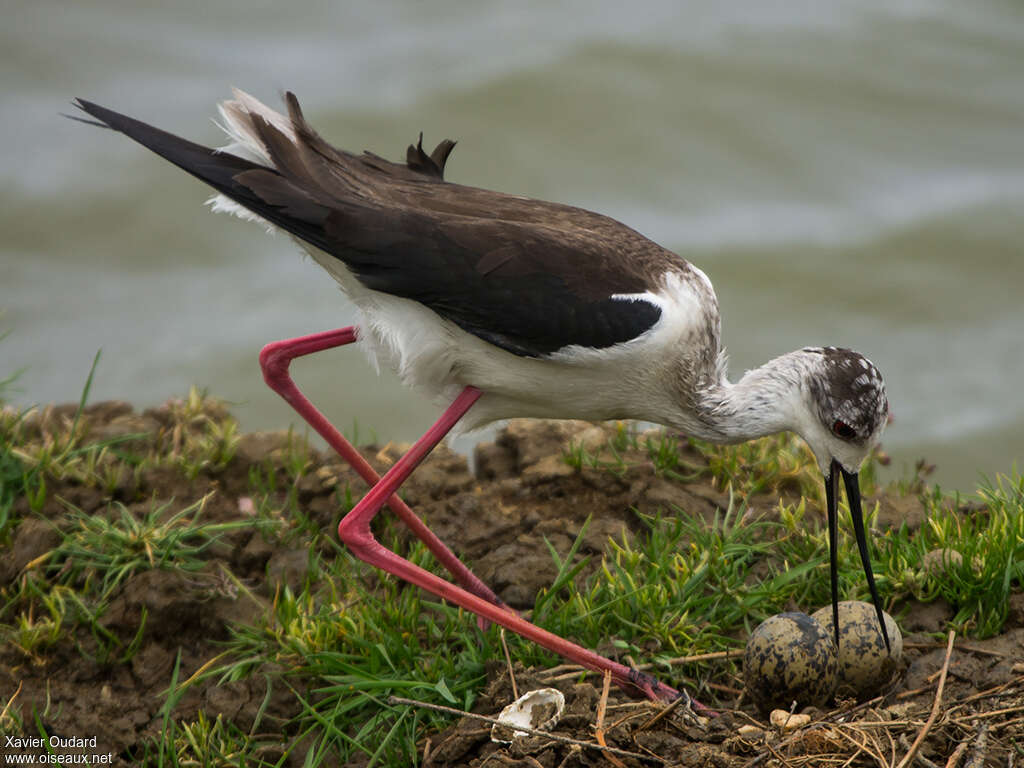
x: 12, y: 474
x: 201, y: 439
x: 990, y: 542
x: 354, y: 640
x: 39, y: 449
x: 681, y: 587
x: 99, y: 552
x: 72, y: 584
x: 350, y: 636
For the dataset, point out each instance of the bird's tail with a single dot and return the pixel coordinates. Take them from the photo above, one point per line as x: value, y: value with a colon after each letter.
x: 216, y: 168
x: 289, y: 176
x: 249, y: 188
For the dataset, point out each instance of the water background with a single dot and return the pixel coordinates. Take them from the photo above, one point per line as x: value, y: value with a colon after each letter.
x: 847, y: 173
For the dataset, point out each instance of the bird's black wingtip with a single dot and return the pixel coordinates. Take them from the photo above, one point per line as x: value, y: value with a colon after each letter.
x: 83, y: 104
x: 92, y: 109
x: 85, y: 120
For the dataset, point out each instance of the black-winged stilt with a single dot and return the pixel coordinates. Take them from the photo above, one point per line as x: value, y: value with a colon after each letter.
x: 508, y: 307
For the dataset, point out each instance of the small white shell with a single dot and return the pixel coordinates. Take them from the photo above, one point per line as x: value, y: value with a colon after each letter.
x: 520, y: 713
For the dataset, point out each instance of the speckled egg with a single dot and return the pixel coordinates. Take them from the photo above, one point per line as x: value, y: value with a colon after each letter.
x: 864, y: 664
x: 789, y: 657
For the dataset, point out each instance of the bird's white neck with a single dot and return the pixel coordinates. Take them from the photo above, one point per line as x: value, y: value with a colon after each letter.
x: 764, y: 401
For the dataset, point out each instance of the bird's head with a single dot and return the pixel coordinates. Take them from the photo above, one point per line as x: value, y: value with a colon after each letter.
x: 845, y: 407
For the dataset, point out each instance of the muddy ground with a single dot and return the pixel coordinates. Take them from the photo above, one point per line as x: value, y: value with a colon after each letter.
x: 521, y: 493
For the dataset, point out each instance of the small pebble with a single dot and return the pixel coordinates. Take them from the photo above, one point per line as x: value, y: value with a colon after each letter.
x: 787, y: 722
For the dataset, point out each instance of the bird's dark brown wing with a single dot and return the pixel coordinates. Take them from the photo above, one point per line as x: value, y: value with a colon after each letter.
x: 510, y: 284
x: 528, y: 276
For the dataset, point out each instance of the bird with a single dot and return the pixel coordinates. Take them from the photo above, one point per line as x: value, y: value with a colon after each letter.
x: 503, y: 306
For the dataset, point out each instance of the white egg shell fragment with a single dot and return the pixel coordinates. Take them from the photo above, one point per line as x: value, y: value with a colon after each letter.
x: 789, y: 657
x: 864, y: 664
x: 540, y: 709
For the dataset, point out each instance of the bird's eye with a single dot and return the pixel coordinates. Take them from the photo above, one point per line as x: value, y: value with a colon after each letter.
x: 843, y: 430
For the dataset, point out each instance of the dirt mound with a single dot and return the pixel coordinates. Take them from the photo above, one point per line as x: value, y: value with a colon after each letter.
x: 191, y: 481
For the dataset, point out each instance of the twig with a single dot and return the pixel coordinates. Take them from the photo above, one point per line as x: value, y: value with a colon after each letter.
x: 560, y: 668
x: 923, y: 760
x: 836, y: 715
x: 1005, y: 723
x: 662, y: 713
x: 603, y: 703
x: 645, y: 704
x: 954, y: 759
x: 566, y: 671
x: 892, y: 747
x: 723, y: 688
x: 859, y: 747
x: 977, y: 758
x: 569, y: 675
x: 990, y: 713
x: 871, y: 736
x: 508, y: 661
x: 935, y: 706
x: 773, y: 749
x: 988, y: 693
x: 524, y: 729
x: 599, y: 720
x: 627, y: 717
x: 712, y: 656
x: 777, y: 754
x: 864, y: 724
x: 572, y: 754
x: 10, y: 702
x: 960, y: 647
x: 831, y: 718
x: 907, y: 694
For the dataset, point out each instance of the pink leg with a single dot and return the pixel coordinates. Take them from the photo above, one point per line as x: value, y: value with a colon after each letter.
x: 355, y: 531
x: 275, y: 359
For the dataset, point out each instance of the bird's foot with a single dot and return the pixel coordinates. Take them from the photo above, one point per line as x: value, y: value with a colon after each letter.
x: 679, y: 701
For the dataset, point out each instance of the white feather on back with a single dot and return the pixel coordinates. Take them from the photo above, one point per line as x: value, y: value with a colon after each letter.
x: 236, y: 115
x: 395, y: 333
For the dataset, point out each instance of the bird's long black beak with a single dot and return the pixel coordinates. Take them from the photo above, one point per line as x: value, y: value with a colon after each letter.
x: 832, y: 502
